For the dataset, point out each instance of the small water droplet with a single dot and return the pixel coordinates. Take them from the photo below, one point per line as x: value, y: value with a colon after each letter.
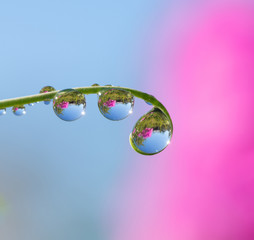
x: 19, y: 110
x: 152, y: 133
x: 46, y: 90
x: 31, y: 104
x: 2, y: 111
x: 69, y: 104
x: 115, y: 104
x: 95, y: 85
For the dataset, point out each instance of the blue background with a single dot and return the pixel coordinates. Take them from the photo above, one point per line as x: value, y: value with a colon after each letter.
x: 56, y: 176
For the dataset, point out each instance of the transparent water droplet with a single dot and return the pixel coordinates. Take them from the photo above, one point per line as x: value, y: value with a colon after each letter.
x: 95, y: 85
x: 19, y: 110
x: 69, y: 104
x: 46, y: 90
x: 152, y: 133
x: 31, y: 104
x: 2, y: 111
x: 116, y: 104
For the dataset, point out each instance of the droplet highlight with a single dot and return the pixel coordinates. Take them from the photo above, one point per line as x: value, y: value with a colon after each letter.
x: 115, y: 104
x: 19, y: 110
x: 47, y: 89
x: 69, y: 104
x: 31, y: 104
x: 2, y: 111
x: 152, y: 133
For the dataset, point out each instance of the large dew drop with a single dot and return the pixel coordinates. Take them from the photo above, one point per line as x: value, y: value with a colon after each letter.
x: 47, y: 89
x: 2, y: 111
x: 69, y: 104
x: 152, y: 133
x: 19, y: 110
x: 115, y: 104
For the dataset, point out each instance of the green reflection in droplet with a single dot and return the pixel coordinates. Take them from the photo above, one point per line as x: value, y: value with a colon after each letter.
x: 19, y: 110
x: 69, y: 104
x: 47, y: 89
x: 152, y: 133
x: 115, y: 104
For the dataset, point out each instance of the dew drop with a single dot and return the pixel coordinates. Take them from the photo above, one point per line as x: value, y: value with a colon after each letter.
x: 95, y: 85
x: 69, y: 104
x: 19, y: 110
x: 2, y: 111
x: 152, y: 133
x: 31, y: 104
x: 47, y: 89
x: 115, y: 104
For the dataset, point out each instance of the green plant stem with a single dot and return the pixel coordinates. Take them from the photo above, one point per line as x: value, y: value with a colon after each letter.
x: 85, y: 90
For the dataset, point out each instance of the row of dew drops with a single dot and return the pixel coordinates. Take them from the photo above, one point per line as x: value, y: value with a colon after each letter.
x: 150, y: 135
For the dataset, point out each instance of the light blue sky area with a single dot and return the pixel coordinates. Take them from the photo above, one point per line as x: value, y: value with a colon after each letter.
x: 56, y: 175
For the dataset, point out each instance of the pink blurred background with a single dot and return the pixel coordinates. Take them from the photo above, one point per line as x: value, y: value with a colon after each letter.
x: 200, y: 57
x: 82, y: 180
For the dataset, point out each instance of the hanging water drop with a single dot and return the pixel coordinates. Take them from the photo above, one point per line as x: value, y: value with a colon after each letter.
x: 152, y: 133
x: 2, y: 111
x: 31, y: 104
x: 69, y: 104
x: 115, y: 104
x: 19, y: 110
x: 47, y: 89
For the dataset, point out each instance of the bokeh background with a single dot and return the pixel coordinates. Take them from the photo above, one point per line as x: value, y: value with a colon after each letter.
x: 82, y: 180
